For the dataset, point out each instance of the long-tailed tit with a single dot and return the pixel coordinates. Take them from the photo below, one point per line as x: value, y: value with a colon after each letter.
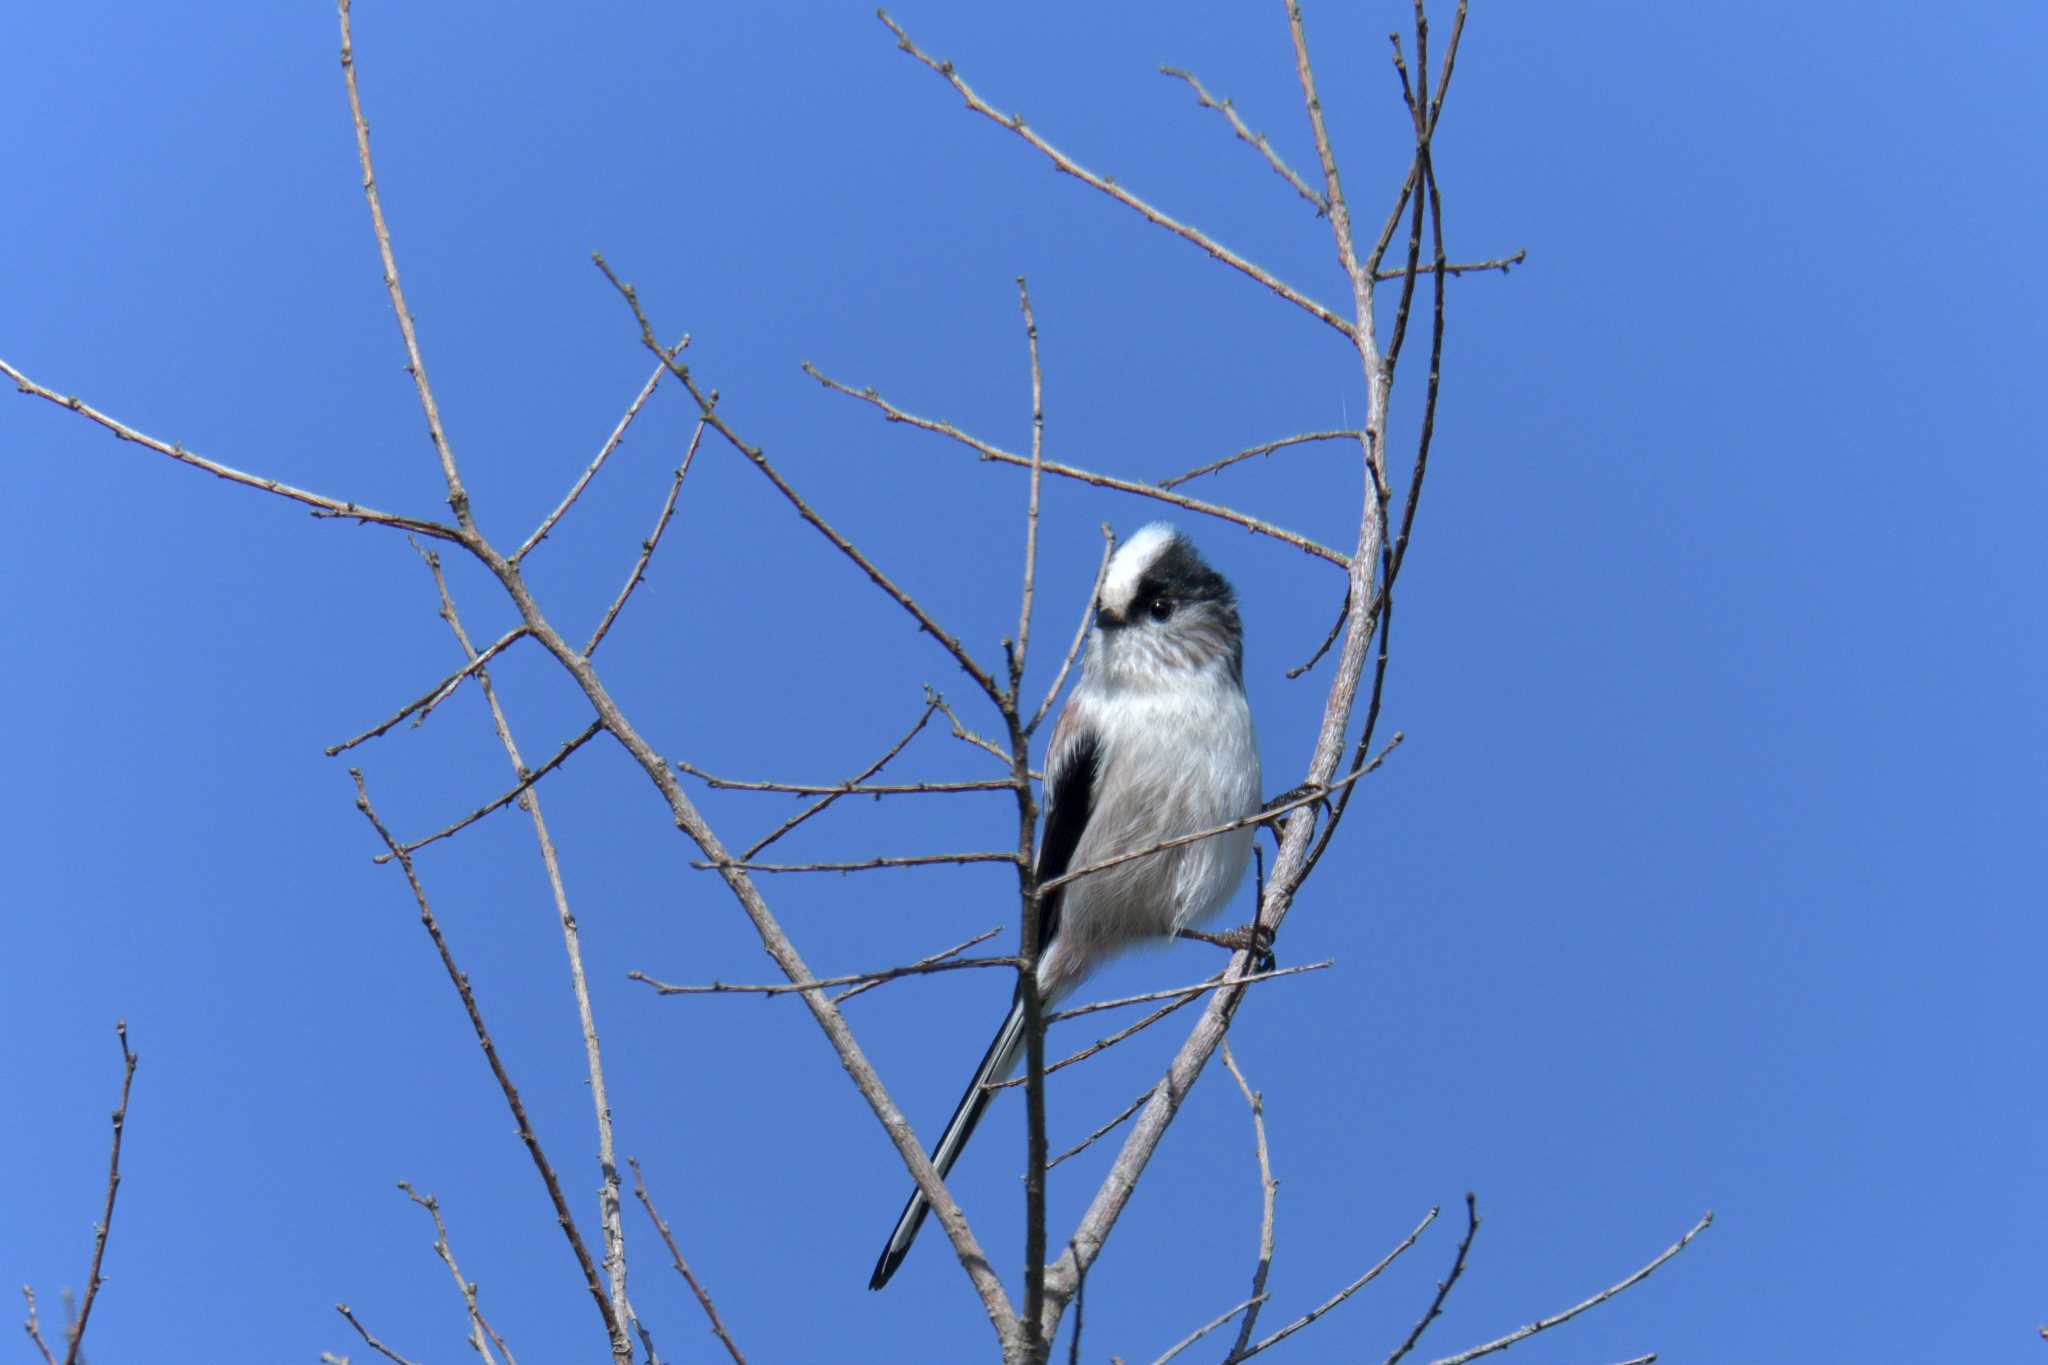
x: 1155, y: 742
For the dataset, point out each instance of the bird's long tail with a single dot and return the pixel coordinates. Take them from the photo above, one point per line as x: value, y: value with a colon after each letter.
x: 996, y: 1066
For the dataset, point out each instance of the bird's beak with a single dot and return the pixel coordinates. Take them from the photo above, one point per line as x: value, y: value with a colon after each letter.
x: 1105, y: 620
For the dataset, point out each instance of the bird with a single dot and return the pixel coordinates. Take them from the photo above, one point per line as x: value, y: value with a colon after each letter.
x: 1155, y: 741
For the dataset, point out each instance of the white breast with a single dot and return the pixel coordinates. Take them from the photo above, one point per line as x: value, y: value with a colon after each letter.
x: 1173, y: 760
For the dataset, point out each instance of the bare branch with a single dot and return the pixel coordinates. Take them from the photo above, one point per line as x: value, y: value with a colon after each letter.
x: 849, y: 788
x: 1017, y: 655
x: 467, y: 1287
x: 1085, y: 1143
x: 1080, y: 631
x: 682, y: 1267
x: 919, y: 965
x: 1144, y: 490
x: 379, y: 1347
x: 1501, y: 263
x: 1268, y: 1187
x: 1214, y: 983
x: 75, y: 1332
x: 961, y: 732
x: 1544, y: 1324
x: 639, y: 572
x: 604, y: 452
x: 321, y: 504
x: 525, y: 783
x: 863, y: 979
x: 817, y: 806
x: 1346, y: 1292
x: 1015, y: 123
x: 435, y: 695
x: 1264, y: 448
x: 1246, y: 135
x: 415, y: 363
x: 1211, y: 1325
x: 1111, y: 1040
x: 460, y: 980
x: 1445, y: 1285
x: 34, y: 1328
x: 1336, y: 629
x: 863, y: 865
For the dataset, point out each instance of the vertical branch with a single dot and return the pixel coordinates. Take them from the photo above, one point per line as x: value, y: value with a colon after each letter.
x: 1036, y: 1339
x: 75, y: 1332
x: 1268, y: 1186
x: 609, y: 1218
x: 1031, y: 515
x: 415, y: 364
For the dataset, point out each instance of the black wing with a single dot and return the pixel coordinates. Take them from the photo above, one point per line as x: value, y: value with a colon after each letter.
x: 1069, y: 803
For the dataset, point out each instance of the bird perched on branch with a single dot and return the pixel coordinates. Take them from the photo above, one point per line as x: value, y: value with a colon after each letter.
x: 1155, y: 742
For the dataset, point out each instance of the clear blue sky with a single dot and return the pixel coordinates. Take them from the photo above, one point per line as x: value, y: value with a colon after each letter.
x: 1709, y: 875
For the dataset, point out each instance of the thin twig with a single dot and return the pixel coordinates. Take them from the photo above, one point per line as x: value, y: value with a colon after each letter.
x: 1211, y: 1325
x: 1015, y: 123
x: 34, y: 1328
x: 1445, y: 1285
x: 962, y: 733
x: 435, y: 695
x: 321, y: 504
x: 1210, y: 985
x: 1017, y: 655
x: 1144, y: 490
x: 639, y: 571
x: 852, y: 783
x: 1085, y: 1143
x: 1501, y: 263
x: 565, y: 1219
x: 1111, y: 1040
x: 492, y: 1332
x: 1346, y: 1292
x: 1544, y: 1324
x: 863, y: 979
x: 1263, y: 448
x: 369, y: 1340
x: 466, y: 1286
x: 862, y: 865
x: 1268, y: 1188
x: 1336, y: 629
x: 499, y: 803
x: 1229, y: 110
x: 712, y: 780
x: 940, y: 956
x: 415, y: 363
x: 683, y: 1266
x: 75, y: 1332
x: 1080, y: 631
x: 604, y: 453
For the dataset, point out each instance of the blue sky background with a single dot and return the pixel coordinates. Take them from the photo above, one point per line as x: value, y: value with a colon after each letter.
x: 1709, y: 875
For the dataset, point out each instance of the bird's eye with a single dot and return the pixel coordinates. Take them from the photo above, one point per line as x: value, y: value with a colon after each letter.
x: 1161, y: 608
